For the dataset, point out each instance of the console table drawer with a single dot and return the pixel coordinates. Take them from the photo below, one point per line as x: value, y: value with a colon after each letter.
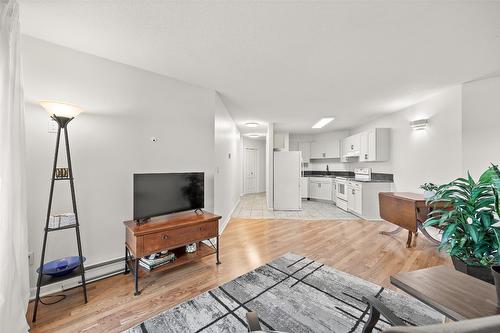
x: 178, y: 237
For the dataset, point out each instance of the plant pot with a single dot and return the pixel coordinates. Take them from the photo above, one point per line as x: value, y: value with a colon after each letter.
x: 479, y: 272
x: 495, y: 271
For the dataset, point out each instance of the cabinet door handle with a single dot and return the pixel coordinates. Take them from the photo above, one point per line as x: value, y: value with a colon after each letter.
x: 366, y: 156
x: 353, y: 191
x: 164, y: 237
x: 352, y: 147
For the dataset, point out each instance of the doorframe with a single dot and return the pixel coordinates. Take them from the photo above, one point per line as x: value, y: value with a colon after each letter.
x: 257, y: 173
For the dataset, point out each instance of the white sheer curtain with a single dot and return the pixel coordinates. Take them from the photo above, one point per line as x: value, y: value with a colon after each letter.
x: 14, y: 272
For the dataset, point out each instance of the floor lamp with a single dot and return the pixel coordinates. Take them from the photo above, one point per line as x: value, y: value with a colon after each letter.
x: 62, y: 114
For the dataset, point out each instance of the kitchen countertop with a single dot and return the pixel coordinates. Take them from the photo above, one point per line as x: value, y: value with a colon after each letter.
x: 387, y: 178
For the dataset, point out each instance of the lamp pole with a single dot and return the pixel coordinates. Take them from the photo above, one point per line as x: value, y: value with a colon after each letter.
x: 62, y: 122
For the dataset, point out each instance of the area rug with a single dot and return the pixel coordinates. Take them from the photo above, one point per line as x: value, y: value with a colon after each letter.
x: 291, y: 294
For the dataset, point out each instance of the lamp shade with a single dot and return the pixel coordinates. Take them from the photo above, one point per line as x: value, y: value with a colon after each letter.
x: 59, y: 109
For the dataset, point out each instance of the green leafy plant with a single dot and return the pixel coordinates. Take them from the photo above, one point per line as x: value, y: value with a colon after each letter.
x: 429, y: 187
x: 470, y: 218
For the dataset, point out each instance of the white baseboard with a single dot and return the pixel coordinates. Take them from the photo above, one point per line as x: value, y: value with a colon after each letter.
x: 93, y: 273
x: 225, y: 221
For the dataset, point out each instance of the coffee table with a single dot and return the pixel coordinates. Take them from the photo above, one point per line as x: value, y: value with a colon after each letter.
x: 456, y: 295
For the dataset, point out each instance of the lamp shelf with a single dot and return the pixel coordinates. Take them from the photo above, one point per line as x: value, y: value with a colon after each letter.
x: 61, y: 228
x: 47, y: 279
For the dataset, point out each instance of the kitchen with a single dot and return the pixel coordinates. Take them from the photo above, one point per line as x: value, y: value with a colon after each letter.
x: 332, y: 170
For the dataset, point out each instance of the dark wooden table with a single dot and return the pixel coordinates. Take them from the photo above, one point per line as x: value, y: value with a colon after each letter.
x: 456, y: 295
x: 406, y: 210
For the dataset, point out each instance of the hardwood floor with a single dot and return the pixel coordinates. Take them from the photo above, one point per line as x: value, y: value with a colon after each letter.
x: 352, y: 246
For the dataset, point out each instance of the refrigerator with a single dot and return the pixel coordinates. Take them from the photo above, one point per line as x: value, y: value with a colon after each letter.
x: 287, y: 173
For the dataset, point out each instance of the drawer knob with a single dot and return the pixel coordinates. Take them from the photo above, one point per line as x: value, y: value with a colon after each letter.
x: 164, y: 237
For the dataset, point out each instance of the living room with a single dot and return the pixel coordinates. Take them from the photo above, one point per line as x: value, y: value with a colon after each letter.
x: 187, y: 93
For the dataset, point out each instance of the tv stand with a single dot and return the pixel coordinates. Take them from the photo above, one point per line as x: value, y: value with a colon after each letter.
x: 142, y: 221
x: 199, y: 211
x: 171, y: 232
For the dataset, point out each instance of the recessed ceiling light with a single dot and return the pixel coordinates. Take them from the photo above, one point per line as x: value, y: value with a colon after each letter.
x: 323, y: 122
x: 253, y: 135
x: 252, y: 124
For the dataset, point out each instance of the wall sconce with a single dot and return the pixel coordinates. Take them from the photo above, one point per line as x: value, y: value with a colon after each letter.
x: 420, y: 124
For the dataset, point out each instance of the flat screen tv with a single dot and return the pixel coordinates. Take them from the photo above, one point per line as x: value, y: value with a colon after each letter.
x: 158, y: 194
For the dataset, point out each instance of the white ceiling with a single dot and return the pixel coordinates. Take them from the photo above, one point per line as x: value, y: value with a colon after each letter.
x: 288, y: 62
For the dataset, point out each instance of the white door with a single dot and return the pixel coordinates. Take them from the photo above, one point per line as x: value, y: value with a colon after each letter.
x: 250, y: 170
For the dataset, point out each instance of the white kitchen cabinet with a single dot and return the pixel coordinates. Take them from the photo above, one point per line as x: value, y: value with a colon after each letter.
x: 325, y: 149
x: 351, y: 146
x: 282, y: 141
x: 375, y: 145
x: 362, y: 198
x: 304, y: 187
x: 320, y: 188
x: 305, y: 148
x: 355, y: 198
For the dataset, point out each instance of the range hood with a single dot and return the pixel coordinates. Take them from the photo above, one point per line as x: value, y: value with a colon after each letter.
x: 354, y: 153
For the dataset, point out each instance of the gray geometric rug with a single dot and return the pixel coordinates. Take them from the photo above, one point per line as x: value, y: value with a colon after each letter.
x: 291, y: 294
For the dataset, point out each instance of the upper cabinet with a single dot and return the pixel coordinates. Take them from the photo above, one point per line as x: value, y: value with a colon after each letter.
x: 281, y: 141
x: 325, y: 149
x: 351, y: 146
x: 305, y: 148
x: 368, y: 146
x: 375, y: 145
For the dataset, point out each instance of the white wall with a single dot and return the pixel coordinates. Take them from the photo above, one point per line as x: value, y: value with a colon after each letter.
x: 431, y: 155
x: 481, y: 119
x: 260, y: 145
x: 110, y: 141
x: 227, y: 178
x: 270, y: 166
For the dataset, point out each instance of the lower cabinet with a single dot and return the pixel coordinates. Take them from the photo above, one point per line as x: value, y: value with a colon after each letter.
x: 320, y: 189
x: 362, y: 198
x: 355, y: 198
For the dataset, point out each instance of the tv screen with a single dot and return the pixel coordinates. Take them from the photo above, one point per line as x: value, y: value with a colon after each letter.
x: 158, y: 194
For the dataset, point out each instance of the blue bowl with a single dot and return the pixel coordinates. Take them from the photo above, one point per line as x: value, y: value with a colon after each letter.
x: 61, y: 267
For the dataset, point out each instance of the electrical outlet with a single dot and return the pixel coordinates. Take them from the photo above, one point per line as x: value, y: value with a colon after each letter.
x: 53, y: 126
x: 31, y: 258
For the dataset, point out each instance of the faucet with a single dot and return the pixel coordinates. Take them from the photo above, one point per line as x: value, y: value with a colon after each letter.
x: 327, y: 170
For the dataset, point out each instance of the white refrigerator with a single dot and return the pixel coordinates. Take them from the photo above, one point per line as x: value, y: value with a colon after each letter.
x: 287, y: 172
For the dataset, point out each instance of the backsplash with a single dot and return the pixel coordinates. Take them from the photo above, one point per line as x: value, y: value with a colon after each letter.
x: 375, y: 176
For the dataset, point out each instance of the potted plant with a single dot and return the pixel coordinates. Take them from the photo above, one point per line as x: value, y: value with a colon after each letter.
x: 471, y: 233
x: 429, y: 190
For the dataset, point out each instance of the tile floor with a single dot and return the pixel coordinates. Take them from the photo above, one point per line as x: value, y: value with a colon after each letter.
x: 254, y: 206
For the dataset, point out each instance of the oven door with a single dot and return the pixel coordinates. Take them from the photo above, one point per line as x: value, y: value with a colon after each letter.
x: 341, y: 189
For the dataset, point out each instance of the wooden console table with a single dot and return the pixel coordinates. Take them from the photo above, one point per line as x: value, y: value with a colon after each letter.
x: 171, y: 232
x: 456, y: 295
x: 406, y: 210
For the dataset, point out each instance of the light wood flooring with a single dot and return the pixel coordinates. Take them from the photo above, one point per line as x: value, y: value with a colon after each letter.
x: 352, y: 246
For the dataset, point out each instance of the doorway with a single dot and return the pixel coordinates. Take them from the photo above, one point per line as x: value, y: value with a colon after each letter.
x: 250, y: 170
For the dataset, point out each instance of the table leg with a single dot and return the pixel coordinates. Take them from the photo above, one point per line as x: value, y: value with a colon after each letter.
x: 217, y: 251
x: 126, y: 261
x: 392, y: 233
x: 409, y: 240
x: 426, y: 234
x: 136, y: 277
